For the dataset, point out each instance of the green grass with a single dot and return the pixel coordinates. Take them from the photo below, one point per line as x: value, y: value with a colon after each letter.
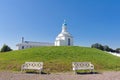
x: 59, y: 59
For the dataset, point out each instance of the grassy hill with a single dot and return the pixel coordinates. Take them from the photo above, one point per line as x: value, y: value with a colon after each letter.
x: 59, y: 59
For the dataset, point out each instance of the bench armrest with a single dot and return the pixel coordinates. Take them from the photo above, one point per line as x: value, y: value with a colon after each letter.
x: 73, y: 65
x: 92, y: 66
x: 22, y: 66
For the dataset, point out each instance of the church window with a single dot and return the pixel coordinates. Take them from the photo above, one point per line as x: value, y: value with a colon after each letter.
x: 68, y: 41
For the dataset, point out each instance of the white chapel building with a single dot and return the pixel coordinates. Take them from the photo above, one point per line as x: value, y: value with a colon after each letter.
x: 64, y: 38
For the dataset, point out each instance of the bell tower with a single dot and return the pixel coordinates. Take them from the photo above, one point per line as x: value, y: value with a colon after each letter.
x: 64, y: 38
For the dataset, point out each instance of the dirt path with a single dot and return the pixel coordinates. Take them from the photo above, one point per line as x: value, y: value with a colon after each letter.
x: 59, y: 76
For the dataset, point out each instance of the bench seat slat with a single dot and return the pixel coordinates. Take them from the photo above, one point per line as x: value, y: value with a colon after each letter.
x: 82, y: 66
x: 32, y: 66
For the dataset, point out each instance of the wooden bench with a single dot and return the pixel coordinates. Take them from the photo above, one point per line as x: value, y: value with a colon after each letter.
x: 82, y: 66
x: 32, y: 66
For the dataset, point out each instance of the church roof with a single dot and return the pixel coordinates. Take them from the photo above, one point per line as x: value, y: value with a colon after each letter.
x: 67, y: 34
x: 64, y: 32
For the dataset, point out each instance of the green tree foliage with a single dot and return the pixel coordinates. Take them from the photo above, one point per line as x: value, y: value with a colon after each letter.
x: 118, y: 50
x: 106, y: 48
x: 97, y: 45
x: 5, y: 48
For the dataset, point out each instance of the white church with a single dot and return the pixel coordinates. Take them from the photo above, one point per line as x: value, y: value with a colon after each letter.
x: 63, y: 39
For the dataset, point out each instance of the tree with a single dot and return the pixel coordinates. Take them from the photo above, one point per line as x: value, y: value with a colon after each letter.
x: 5, y: 48
x: 97, y: 45
x: 106, y: 48
x: 118, y: 50
x: 111, y: 50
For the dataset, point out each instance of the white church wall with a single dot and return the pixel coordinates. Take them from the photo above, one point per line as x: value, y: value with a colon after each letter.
x: 64, y: 38
x: 29, y: 44
x: 57, y: 43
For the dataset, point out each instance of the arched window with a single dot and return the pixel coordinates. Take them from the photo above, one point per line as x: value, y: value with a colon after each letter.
x: 68, y: 41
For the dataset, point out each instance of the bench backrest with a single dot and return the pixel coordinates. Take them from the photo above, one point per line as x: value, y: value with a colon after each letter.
x: 34, y: 65
x: 81, y: 65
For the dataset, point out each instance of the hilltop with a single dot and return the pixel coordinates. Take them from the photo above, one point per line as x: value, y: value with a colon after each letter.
x: 59, y: 59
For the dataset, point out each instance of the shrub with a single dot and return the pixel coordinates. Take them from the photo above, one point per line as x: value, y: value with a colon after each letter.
x: 5, y: 48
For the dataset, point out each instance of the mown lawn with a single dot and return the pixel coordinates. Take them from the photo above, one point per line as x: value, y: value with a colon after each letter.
x: 59, y: 59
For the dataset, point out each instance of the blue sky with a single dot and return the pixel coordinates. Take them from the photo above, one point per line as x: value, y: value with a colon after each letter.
x: 89, y: 21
